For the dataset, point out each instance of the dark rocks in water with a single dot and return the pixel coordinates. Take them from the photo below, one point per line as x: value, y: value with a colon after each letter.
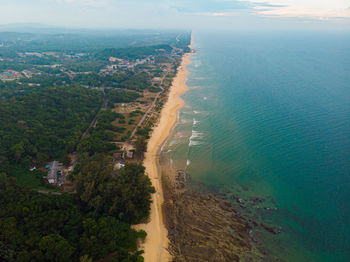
x: 226, y: 206
x: 181, y: 179
x: 251, y: 234
x: 235, y: 197
x: 270, y: 229
x: 203, y: 227
x: 257, y: 200
x: 244, y: 187
x: 221, y: 196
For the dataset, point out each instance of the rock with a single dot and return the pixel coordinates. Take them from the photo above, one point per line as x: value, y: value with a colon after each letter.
x: 269, y: 229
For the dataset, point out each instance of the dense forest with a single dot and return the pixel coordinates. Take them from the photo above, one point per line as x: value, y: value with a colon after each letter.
x: 44, y: 123
x: 87, y: 226
x: 100, y: 137
x: 121, y: 80
x: 40, y: 124
x: 121, y: 96
x: 92, y: 224
x: 68, y: 40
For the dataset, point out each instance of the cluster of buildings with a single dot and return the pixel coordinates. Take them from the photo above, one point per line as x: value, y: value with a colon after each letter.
x: 54, y: 54
x: 126, y: 64
x: 56, y: 174
x: 10, y: 75
x: 25, y: 54
x: 119, y: 157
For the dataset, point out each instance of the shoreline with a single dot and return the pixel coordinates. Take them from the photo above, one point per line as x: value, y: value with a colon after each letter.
x: 156, y: 243
x: 203, y: 225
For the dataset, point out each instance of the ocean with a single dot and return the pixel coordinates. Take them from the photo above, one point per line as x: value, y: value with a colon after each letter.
x: 267, y: 121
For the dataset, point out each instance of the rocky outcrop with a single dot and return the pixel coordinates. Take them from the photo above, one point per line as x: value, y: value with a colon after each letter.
x: 203, y: 227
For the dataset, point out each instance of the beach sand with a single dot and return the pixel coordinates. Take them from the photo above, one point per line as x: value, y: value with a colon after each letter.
x: 156, y: 243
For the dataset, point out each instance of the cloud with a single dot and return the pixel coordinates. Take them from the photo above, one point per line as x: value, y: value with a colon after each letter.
x: 309, y: 13
x: 91, y: 3
x: 310, y: 9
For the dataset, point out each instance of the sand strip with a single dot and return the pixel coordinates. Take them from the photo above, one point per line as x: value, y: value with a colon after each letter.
x: 156, y: 243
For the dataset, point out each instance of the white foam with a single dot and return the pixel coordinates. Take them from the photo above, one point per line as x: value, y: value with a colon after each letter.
x: 196, y: 112
x: 173, y: 142
x: 196, y: 134
x: 195, y: 122
x: 195, y: 143
x: 161, y: 149
x: 195, y: 138
x: 205, y: 98
x: 188, y: 162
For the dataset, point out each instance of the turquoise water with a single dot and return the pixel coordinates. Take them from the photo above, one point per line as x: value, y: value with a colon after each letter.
x: 268, y: 115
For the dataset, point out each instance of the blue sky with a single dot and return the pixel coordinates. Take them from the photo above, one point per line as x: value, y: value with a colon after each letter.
x: 191, y: 14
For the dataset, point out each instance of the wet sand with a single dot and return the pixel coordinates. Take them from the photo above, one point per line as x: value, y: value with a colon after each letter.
x: 156, y: 243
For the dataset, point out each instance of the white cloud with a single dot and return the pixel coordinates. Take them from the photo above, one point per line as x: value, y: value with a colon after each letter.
x: 307, y: 4
x: 311, y: 13
x: 310, y: 9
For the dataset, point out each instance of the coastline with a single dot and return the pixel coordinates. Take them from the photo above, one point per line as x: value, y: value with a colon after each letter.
x: 203, y: 225
x: 156, y: 243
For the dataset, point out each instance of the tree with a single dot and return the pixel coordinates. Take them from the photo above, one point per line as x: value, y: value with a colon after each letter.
x: 93, y: 182
x: 85, y: 258
x: 56, y: 248
x: 131, y: 193
x: 141, y: 145
x: 126, y: 195
x: 17, y: 151
x: 66, y: 160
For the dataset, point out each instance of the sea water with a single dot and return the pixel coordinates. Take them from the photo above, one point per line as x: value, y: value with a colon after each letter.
x: 267, y: 115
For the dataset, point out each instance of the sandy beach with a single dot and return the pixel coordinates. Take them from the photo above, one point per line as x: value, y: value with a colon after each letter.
x: 156, y: 243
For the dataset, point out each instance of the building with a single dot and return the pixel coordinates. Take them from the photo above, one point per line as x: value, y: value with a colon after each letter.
x: 56, y: 174
x: 117, y: 156
x: 118, y: 165
x: 10, y: 75
x: 114, y: 59
x: 27, y: 73
x: 156, y: 80
x: 130, y: 153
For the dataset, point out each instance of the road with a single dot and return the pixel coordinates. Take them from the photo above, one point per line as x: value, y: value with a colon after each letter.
x: 150, y: 108
x: 94, y: 121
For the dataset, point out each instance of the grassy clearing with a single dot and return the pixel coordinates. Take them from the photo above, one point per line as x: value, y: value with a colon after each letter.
x: 25, y: 177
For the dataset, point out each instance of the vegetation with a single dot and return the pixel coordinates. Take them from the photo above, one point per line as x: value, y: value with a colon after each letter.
x: 39, y: 227
x: 126, y: 195
x: 101, y: 136
x: 141, y: 145
x: 44, y: 123
x: 53, y: 110
x: 25, y: 177
x: 133, y: 52
x: 121, y: 96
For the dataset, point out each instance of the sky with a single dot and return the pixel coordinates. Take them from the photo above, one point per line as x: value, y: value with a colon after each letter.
x: 180, y: 14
